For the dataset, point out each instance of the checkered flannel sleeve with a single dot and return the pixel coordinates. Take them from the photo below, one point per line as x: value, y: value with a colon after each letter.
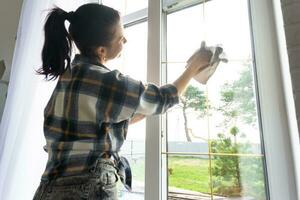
x: 130, y: 96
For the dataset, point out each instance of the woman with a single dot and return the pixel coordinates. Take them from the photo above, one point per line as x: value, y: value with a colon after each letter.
x: 87, y: 116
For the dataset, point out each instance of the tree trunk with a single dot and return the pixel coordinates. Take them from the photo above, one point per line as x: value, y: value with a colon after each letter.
x: 237, y: 167
x: 188, y: 138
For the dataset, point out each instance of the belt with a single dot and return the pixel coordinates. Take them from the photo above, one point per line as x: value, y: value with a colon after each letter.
x: 106, y: 155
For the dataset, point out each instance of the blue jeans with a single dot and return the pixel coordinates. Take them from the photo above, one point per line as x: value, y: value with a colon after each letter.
x: 99, y: 184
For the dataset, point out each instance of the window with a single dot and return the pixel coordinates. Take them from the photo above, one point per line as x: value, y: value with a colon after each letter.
x: 213, y: 137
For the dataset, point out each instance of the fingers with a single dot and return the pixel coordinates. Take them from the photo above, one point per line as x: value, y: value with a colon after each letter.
x: 203, y: 67
x: 201, y: 55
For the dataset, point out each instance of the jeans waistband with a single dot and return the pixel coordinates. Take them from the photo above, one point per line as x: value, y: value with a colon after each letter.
x: 100, y: 162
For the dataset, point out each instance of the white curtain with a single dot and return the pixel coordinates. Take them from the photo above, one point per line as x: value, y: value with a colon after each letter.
x: 22, y: 158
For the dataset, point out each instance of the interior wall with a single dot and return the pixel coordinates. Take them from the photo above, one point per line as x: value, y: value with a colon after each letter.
x: 9, y: 20
x: 291, y: 20
x: 291, y: 73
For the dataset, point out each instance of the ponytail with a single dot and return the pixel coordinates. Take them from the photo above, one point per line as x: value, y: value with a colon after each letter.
x: 58, y: 44
x: 92, y: 25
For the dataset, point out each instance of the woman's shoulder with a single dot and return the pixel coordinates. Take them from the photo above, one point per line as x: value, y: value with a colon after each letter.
x: 103, y: 75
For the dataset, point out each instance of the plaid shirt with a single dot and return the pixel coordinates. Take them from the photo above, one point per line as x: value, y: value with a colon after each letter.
x: 88, y: 114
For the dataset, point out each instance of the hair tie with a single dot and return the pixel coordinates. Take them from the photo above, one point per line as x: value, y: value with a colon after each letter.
x: 69, y: 16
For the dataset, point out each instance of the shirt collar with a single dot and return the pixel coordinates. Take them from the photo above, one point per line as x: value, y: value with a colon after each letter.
x: 79, y: 58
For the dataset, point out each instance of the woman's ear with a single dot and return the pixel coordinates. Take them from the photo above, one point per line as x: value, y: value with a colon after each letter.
x: 101, y: 53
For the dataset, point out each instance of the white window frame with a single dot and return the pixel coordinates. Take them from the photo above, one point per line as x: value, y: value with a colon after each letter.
x: 274, y: 116
x: 277, y: 145
x: 153, y: 123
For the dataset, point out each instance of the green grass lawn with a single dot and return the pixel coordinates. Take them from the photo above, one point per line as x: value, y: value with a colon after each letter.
x: 189, y: 173
x: 138, y: 169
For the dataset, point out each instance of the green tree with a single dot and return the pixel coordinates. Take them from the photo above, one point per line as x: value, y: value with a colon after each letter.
x: 238, y: 106
x: 239, y: 100
x: 226, y: 169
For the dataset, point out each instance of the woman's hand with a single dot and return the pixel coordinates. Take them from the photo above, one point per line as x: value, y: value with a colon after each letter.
x: 196, y: 63
x: 200, y: 59
x: 137, y: 117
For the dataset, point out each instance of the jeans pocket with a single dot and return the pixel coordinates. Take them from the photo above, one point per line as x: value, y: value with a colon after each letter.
x: 108, y: 178
x: 108, y: 192
x: 105, y: 187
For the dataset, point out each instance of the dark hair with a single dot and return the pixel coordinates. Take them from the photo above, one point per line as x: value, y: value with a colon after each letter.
x: 91, y: 25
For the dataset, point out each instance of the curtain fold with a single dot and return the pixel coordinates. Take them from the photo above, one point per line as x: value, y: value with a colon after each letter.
x: 22, y: 158
x: 21, y: 135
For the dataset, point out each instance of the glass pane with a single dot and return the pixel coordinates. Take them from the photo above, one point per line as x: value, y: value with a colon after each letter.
x: 188, y: 177
x: 222, y: 22
x: 234, y: 117
x: 182, y: 35
x: 134, y: 150
x: 126, y: 6
x: 134, y: 63
x: 187, y: 126
x: 227, y: 23
x: 235, y: 176
x: 135, y: 53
